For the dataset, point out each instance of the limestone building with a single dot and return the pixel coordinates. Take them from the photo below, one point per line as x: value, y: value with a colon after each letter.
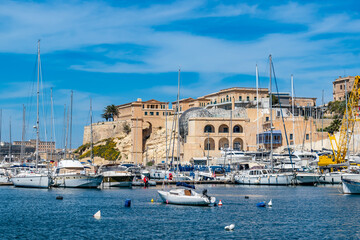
x: 339, y: 87
x: 225, y: 119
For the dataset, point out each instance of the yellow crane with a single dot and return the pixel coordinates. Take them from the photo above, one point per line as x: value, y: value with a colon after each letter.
x: 340, y: 147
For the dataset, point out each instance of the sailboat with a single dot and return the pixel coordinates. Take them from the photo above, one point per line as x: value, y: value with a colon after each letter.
x: 71, y: 173
x: 30, y: 178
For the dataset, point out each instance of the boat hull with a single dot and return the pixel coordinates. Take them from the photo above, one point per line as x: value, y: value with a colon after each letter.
x: 264, y: 180
x: 185, y: 200
x: 78, y: 181
x: 307, y: 179
x: 118, y: 181
x: 351, y: 186
x: 31, y: 181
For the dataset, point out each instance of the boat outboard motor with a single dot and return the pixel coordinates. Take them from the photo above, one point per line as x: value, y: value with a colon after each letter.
x: 205, y: 194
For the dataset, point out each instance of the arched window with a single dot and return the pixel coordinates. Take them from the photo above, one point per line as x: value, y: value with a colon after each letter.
x: 238, y: 144
x: 209, y: 129
x: 209, y: 144
x: 238, y: 129
x: 223, y: 143
x: 223, y: 128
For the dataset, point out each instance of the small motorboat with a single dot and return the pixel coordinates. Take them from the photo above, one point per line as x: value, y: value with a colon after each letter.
x: 351, y: 186
x: 186, y: 197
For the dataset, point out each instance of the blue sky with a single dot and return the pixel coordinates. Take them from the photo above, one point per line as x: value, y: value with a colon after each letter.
x: 117, y: 51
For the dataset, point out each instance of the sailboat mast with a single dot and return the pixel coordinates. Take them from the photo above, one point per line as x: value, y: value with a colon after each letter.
x: 52, y: 133
x: 37, y: 110
x: 293, y: 107
x: 64, y: 132
x: 178, y: 120
x: 0, y: 127
x: 166, y: 141
x: 10, y: 140
x: 271, y: 118
x: 322, y: 121
x: 67, y: 132
x: 91, y: 136
x: 23, y: 136
x: 71, y: 111
x: 257, y: 106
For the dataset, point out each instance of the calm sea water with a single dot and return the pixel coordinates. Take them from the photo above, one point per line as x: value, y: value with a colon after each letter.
x: 297, y: 213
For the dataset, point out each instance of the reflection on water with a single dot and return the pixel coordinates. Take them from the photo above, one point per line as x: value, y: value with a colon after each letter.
x: 297, y: 212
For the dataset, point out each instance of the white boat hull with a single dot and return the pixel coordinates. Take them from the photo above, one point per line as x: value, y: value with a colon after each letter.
x: 336, y: 178
x: 273, y: 179
x: 307, y: 179
x: 31, y: 181
x: 351, y: 186
x: 78, y: 181
x: 185, y: 200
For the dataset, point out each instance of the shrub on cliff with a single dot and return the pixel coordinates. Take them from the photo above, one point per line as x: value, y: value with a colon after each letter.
x: 106, y: 151
x: 126, y: 127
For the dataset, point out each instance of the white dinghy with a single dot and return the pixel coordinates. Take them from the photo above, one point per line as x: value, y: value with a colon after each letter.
x: 186, y: 197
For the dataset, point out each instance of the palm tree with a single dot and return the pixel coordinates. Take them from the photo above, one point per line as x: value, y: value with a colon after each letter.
x: 110, y: 111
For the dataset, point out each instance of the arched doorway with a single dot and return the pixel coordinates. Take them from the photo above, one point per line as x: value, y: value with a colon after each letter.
x: 238, y: 144
x: 209, y: 144
x: 223, y: 143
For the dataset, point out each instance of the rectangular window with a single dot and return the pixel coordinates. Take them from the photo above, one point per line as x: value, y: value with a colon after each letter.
x: 240, y: 98
x: 291, y: 136
x: 307, y: 136
x: 156, y: 106
x: 247, y: 98
x: 148, y: 106
x: 143, y: 106
x: 151, y: 113
x: 267, y: 118
x: 157, y: 113
x: 145, y: 113
x: 254, y: 98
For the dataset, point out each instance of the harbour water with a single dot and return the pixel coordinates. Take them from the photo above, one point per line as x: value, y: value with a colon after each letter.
x: 297, y: 213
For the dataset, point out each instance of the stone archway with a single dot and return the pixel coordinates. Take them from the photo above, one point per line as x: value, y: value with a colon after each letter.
x: 223, y: 143
x: 209, y: 144
x: 223, y: 128
x: 238, y: 144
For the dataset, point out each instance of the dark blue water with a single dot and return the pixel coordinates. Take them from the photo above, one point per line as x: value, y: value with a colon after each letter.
x: 297, y: 213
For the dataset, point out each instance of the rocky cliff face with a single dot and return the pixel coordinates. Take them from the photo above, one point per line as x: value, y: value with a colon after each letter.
x: 154, y: 148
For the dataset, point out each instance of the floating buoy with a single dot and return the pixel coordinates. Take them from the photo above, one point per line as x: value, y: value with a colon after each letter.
x: 246, y: 197
x: 128, y: 203
x: 220, y: 203
x: 59, y: 198
x: 270, y: 203
x: 97, y: 215
x: 230, y: 228
x: 261, y: 204
x: 152, y: 200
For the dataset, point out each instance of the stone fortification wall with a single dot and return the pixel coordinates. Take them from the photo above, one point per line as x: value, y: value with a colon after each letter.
x: 104, y: 130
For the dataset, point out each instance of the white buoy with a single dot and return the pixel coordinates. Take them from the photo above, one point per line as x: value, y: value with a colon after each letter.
x: 270, y: 203
x: 97, y: 215
x: 230, y: 228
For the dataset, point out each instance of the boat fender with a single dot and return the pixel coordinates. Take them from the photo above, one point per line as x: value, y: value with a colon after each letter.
x: 128, y: 203
x: 167, y: 201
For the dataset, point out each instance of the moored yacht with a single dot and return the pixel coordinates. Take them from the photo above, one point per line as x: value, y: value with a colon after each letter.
x: 116, y: 175
x: 263, y: 177
x: 72, y: 174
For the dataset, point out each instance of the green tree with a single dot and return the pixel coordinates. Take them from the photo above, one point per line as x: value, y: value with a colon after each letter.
x: 110, y: 111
